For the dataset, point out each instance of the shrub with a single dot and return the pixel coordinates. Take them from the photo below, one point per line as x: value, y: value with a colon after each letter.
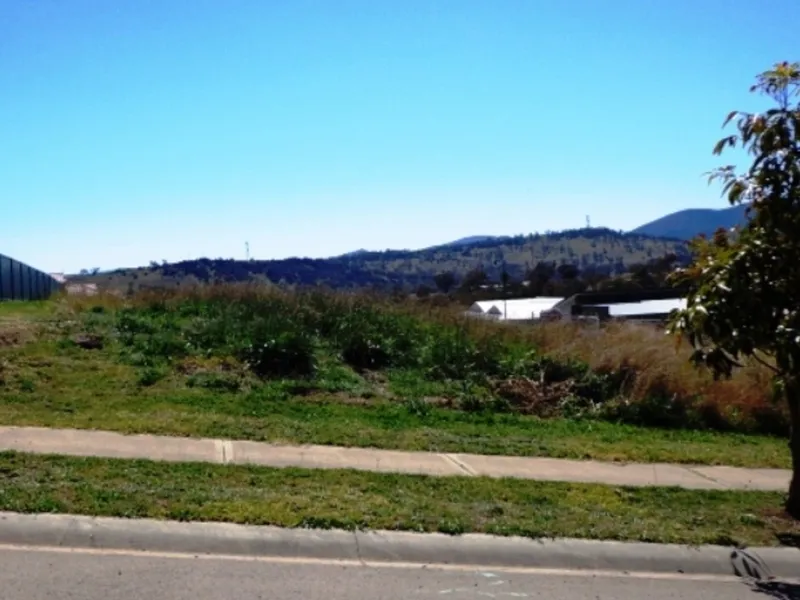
x: 285, y: 354
x: 363, y: 352
x: 371, y: 340
x: 452, y: 354
x: 150, y: 376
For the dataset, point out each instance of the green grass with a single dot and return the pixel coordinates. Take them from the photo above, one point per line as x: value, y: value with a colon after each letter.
x: 350, y: 499
x: 56, y: 386
x: 18, y: 309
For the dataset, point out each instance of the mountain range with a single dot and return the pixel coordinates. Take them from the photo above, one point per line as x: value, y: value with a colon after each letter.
x: 681, y: 225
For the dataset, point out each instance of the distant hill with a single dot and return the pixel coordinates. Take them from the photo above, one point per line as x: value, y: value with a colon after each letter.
x: 465, y: 241
x: 601, y: 251
x: 472, y: 239
x: 353, y: 253
x: 687, y: 224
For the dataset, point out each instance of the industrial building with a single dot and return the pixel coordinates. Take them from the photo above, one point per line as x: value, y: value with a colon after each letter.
x: 640, y: 305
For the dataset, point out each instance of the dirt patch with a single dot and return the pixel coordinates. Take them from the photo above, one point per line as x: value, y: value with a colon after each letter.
x: 16, y: 333
x: 88, y: 341
x: 531, y: 397
x: 378, y: 382
x: 193, y: 365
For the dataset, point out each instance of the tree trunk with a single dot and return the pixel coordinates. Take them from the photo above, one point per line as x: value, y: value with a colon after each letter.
x: 793, y: 397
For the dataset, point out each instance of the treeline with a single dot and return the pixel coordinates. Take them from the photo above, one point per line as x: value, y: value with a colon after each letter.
x: 550, y: 279
x: 551, y: 263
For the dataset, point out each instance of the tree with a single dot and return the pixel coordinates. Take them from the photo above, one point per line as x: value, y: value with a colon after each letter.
x: 568, y: 271
x: 641, y: 276
x: 744, y: 287
x: 474, y: 279
x: 445, y: 281
x: 539, y: 276
x: 423, y: 291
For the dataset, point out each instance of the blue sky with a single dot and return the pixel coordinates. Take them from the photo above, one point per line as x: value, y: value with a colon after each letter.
x: 145, y: 130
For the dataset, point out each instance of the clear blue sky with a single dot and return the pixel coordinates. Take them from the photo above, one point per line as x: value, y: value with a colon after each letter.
x: 145, y: 130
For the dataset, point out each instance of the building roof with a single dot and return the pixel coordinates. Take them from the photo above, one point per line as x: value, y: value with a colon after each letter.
x: 516, y: 309
x: 645, y: 307
x: 481, y: 307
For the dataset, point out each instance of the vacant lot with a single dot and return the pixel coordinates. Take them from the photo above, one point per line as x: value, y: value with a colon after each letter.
x: 350, y: 499
x: 329, y: 369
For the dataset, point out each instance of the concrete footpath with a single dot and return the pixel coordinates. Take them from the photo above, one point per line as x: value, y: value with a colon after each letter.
x: 73, y: 442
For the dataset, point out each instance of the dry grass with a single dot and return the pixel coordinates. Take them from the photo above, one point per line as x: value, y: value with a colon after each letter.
x: 16, y: 332
x: 658, y: 364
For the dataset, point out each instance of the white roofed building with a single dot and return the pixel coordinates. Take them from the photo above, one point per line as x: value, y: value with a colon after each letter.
x: 644, y: 308
x: 516, y: 309
x: 602, y: 306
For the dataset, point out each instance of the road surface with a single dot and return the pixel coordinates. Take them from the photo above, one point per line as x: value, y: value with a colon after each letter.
x: 38, y: 574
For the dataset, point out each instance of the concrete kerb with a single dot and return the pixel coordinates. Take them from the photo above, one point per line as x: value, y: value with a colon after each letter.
x: 378, y: 547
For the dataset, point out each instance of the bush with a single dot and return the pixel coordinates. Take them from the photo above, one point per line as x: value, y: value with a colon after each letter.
x: 451, y: 354
x: 150, y: 376
x: 370, y: 340
x: 286, y: 354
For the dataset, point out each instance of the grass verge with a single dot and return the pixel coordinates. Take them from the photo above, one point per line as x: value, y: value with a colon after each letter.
x: 350, y: 499
x: 327, y: 369
x: 51, y: 386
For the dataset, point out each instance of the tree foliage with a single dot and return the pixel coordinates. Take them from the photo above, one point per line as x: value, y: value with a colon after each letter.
x: 445, y: 281
x: 744, y: 300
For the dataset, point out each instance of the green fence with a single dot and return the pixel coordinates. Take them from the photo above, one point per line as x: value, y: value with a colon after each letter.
x: 18, y: 281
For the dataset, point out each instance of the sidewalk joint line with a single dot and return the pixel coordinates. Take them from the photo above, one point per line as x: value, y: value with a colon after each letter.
x: 460, y: 465
x: 227, y: 452
x: 704, y: 476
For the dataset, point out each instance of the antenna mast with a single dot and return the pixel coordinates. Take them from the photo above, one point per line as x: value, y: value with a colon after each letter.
x: 247, y: 250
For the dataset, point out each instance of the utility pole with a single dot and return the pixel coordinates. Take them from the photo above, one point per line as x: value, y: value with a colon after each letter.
x: 588, y: 222
x: 504, y: 280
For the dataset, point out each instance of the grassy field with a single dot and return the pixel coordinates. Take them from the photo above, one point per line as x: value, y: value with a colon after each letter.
x: 350, y: 499
x: 240, y: 363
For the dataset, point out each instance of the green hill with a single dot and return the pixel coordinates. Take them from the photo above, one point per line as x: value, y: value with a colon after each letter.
x: 596, y: 251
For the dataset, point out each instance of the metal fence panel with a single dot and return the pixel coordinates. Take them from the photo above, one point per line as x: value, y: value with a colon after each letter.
x: 16, y: 280
x: 19, y: 281
x: 5, y: 277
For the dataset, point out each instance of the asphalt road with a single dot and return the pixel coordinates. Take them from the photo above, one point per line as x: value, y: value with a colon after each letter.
x: 38, y: 574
